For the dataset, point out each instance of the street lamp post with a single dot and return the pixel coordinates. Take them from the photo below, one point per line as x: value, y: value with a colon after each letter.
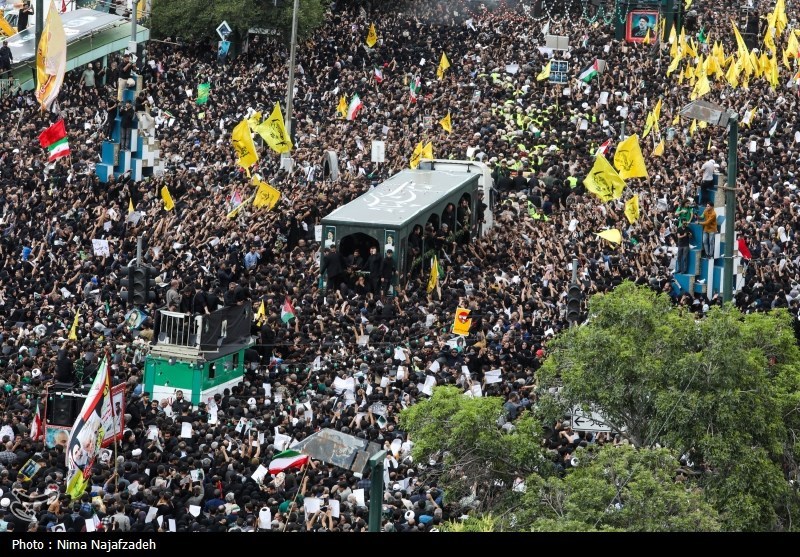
x: 286, y: 158
x: 717, y: 116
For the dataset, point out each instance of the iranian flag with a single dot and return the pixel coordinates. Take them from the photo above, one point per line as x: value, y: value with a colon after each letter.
x: 378, y: 75
x: 592, y: 70
x: 37, y: 431
x: 54, y: 139
x: 603, y: 149
x: 287, y: 459
x: 413, y: 89
x: 287, y: 311
x: 355, y: 106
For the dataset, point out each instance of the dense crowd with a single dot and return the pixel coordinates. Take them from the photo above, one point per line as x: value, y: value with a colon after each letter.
x: 514, y: 278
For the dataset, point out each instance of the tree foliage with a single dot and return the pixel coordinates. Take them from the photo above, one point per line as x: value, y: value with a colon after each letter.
x: 618, y: 489
x: 722, y: 389
x: 479, y: 460
x: 197, y: 19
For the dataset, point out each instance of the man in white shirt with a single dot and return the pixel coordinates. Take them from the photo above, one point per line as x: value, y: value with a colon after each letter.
x: 707, y: 182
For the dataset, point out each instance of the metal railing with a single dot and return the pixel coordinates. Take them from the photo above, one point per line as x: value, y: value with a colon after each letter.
x: 179, y: 329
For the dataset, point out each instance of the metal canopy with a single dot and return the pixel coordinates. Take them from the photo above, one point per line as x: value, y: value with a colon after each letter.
x: 706, y: 111
x: 340, y: 449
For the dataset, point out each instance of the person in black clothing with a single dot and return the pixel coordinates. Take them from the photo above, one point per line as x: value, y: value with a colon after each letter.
x: 684, y: 237
x: 24, y: 15
x: 200, y: 302
x: 126, y: 116
x: 387, y: 271
x: 520, y: 182
x: 6, y: 57
x: 333, y: 264
x: 374, y: 262
x: 126, y: 68
x: 111, y: 110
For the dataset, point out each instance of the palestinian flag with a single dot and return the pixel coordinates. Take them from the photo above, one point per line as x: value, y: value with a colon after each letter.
x: 355, y: 106
x: 287, y: 459
x: 54, y: 139
x: 287, y: 311
x: 378, y: 75
x: 413, y: 89
x: 590, y: 72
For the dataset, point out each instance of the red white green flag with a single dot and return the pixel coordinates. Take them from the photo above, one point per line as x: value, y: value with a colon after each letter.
x: 54, y: 139
x: 287, y: 459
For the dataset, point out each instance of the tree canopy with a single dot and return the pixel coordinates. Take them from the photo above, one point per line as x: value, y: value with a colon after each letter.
x: 197, y: 19
x: 723, y: 390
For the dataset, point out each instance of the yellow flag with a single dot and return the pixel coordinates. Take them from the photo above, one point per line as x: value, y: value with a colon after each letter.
x: 341, y: 108
x: 779, y: 15
x: 772, y: 74
x: 462, y: 322
x: 792, y: 45
x: 51, y: 59
x: 632, y: 209
x: 545, y: 73
x: 701, y: 87
x: 273, y: 131
x: 786, y: 59
x: 261, y: 314
x: 130, y: 205
x: 676, y: 60
x: 693, y: 128
x: 73, y: 331
x: 648, y: 124
x: 6, y: 28
x: 677, y: 119
x: 658, y: 151
x: 254, y: 121
x: 769, y: 41
x: 167, y: 198
x: 612, y: 235
x: 628, y: 159
x: 689, y: 48
x: 427, y: 151
x: 688, y: 4
x: 733, y: 74
x: 235, y: 211
x: 372, y: 36
x: 243, y: 144
x: 444, y: 63
x: 434, y: 280
x: 416, y: 155
x: 603, y: 180
x: 266, y: 195
x: 446, y: 123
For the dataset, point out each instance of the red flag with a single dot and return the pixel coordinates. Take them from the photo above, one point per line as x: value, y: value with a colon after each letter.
x: 63, y: 6
x: 52, y: 134
x: 742, y: 245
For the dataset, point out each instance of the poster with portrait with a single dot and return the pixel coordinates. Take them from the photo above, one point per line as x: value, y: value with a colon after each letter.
x: 330, y: 236
x: 56, y: 435
x: 389, y: 241
x: 638, y: 24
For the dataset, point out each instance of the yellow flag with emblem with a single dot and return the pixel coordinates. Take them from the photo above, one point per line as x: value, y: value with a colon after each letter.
x: 603, y: 181
x: 702, y: 86
x: 427, y: 151
x: 677, y: 119
x: 416, y: 155
x: 446, y: 123
x: 545, y: 73
x: 628, y: 159
x: 243, y: 144
x: 73, y: 331
x: 659, y: 149
x: 169, y: 205
x: 632, y: 209
x: 254, y: 121
x: 434, y: 280
x: 273, y: 131
x: 372, y: 36
x: 261, y: 314
x: 612, y: 235
x: 769, y: 40
x: 648, y: 124
x: 341, y: 108
x: 732, y: 75
x: 444, y: 63
x: 266, y: 195
x: 693, y: 128
x: 646, y: 39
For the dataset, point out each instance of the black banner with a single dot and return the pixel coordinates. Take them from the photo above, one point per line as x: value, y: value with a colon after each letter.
x: 229, y: 325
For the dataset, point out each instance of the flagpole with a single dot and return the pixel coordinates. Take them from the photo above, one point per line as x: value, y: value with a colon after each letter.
x: 290, y: 89
x: 113, y: 421
x: 300, y: 486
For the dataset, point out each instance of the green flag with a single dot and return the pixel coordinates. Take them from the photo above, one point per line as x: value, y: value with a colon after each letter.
x: 202, y: 93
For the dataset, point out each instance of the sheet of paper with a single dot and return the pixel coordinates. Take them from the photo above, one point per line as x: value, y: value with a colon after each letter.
x: 385, y: 381
x: 359, y: 493
x: 281, y: 441
x: 160, y: 520
x: 334, y: 505
x: 493, y: 376
x: 172, y: 525
x: 476, y: 391
x: 90, y: 525
x: 265, y: 519
x: 194, y: 510
x: 186, y: 430
x: 399, y: 354
x: 401, y: 373
x: 434, y: 367
x: 311, y: 505
x: 260, y: 473
x: 430, y: 383
x: 151, y: 514
x: 603, y: 97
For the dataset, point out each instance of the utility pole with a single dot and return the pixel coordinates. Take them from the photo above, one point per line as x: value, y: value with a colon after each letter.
x: 132, y: 44
x: 39, y: 22
x: 286, y: 158
x: 376, y: 490
x: 730, y: 206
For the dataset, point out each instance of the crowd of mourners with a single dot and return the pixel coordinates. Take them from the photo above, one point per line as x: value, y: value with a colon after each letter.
x: 514, y: 277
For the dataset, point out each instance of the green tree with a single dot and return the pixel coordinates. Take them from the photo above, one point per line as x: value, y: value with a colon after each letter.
x: 618, y: 489
x: 480, y: 460
x: 723, y: 389
x: 197, y: 19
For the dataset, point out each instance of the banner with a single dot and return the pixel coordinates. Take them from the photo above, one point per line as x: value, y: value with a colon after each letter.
x: 51, y: 59
x: 230, y: 325
x: 202, y: 93
x: 88, y: 434
x: 113, y: 424
x: 462, y: 322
